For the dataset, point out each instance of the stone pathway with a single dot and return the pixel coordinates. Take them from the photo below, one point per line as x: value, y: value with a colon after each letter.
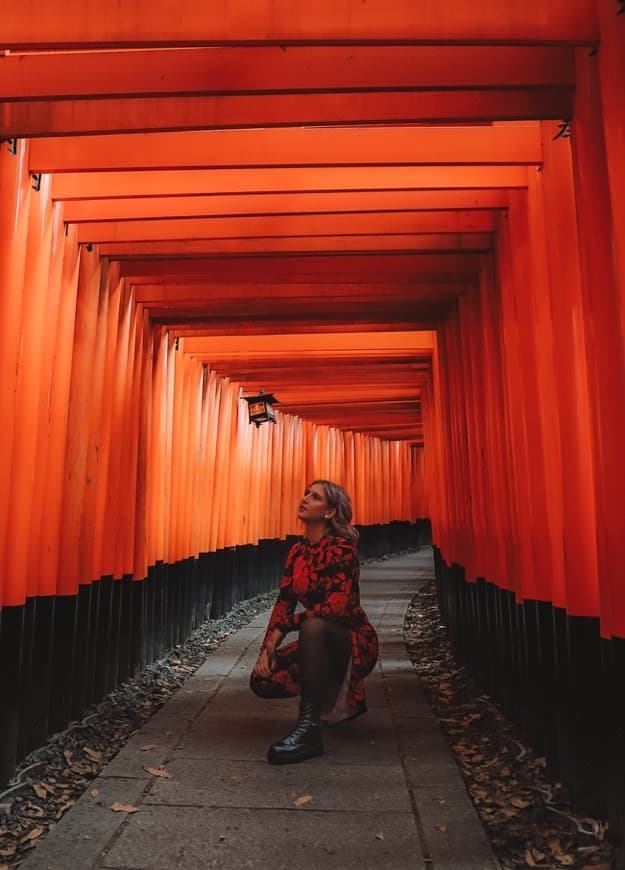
x: 386, y: 795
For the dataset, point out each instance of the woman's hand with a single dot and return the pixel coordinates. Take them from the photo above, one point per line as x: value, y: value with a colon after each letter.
x: 266, y: 663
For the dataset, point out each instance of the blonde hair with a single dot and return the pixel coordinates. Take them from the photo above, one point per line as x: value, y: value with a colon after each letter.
x: 338, y: 499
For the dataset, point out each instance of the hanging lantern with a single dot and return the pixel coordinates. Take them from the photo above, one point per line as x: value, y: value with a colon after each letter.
x: 260, y: 408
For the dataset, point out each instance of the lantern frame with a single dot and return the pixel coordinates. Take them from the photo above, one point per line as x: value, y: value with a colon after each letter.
x: 260, y: 408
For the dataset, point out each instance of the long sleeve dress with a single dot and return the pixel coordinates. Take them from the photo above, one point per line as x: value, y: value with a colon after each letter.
x: 324, y: 579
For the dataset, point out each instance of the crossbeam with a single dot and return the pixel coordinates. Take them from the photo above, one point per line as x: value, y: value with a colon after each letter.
x: 235, y: 182
x: 295, y: 147
x: 288, y: 226
x: 267, y: 69
x: 36, y: 118
x: 45, y: 24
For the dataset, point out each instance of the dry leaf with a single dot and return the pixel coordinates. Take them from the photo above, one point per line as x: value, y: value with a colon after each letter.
x: 32, y: 835
x: 529, y: 860
x: 148, y: 746
x: 538, y: 855
x: 304, y: 799
x: 123, y: 808
x: 68, y: 755
x: 4, y: 867
x: 567, y: 860
x: 442, y: 828
x: 379, y: 836
x: 519, y: 803
x: 159, y: 771
x: 8, y: 853
x: 40, y: 791
x: 95, y: 792
x: 93, y: 754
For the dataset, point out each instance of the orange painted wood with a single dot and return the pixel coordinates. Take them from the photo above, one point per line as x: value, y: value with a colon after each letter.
x: 267, y: 68
x: 379, y: 243
x: 141, y: 207
x: 569, y: 329
x: 330, y: 179
x: 78, y: 427
x: 605, y: 352
x: 297, y: 147
x: 30, y: 399
x: 160, y: 23
x: 60, y: 372
x: 14, y: 214
x: 443, y: 267
x: 612, y: 83
x: 39, y: 118
x: 289, y: 226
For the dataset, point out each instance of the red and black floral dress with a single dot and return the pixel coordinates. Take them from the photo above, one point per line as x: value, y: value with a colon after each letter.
x: 324, y: 578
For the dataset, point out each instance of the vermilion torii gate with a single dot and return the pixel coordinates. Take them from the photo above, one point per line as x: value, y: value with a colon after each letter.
x: 409, y: 224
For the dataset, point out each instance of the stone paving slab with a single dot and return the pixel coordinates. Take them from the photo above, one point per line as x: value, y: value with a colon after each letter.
x: 259, y: 839
x: 226, y: 783
x: 386, y: 795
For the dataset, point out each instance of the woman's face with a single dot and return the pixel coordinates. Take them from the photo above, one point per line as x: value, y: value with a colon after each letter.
x: 314, y: 505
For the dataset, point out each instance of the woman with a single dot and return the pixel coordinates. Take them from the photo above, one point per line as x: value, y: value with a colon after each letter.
x: 337, y: 645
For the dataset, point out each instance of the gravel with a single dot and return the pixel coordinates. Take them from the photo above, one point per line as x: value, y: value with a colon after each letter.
x: 50, y: 779
x: 524, y: 812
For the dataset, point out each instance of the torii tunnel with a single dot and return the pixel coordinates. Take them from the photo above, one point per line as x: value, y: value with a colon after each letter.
x: 407, y: 222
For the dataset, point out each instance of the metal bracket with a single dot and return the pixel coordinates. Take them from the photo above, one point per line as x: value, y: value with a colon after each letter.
x: 12, y: 145
x: 37, y: 181
x: 177, y: 343
x: 564, y: 130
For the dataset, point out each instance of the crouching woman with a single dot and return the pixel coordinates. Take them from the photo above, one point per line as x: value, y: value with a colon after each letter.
x: 337, y: 645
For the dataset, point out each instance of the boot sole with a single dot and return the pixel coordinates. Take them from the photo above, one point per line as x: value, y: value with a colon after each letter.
x: 294, y: 758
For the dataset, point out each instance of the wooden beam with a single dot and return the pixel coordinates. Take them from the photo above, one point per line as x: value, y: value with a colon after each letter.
x: 363, y: 342
x: 278, y: 226
x: 236, y: 182
x: 202, y: 294
x: 66, y: 117
x: 45, y: 24
x: 267, y: 69
x: 404, y: 243
x: 324, y: 268
x: 138, y: 208
x: 508, y: 144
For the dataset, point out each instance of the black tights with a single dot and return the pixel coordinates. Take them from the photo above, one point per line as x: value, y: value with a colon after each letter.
x: 324, y: 651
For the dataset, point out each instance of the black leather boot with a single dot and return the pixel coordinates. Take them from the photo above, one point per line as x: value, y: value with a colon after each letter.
x: 303, y: 742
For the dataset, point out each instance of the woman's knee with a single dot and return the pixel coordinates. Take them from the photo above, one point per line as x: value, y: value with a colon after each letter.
x: 259, y: 685
x: 313, y: 627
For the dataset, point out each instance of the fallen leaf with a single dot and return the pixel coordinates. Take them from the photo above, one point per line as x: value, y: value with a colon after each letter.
x: 8, y: 853
x: 379, y: 836
x: 159, y: 771
x: 32, y: 835
x: 519, y: 803
x: 148, y: 746
x: 93, y: 754
x: 123, y: 808
x: 304, y: 799
x: 567, y: 860
x: 529, y: 859
x: 40, y: 791
x: 68, y: 755
x: 4, y: 867
x: 95, y: 792
x: 442, y: 828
